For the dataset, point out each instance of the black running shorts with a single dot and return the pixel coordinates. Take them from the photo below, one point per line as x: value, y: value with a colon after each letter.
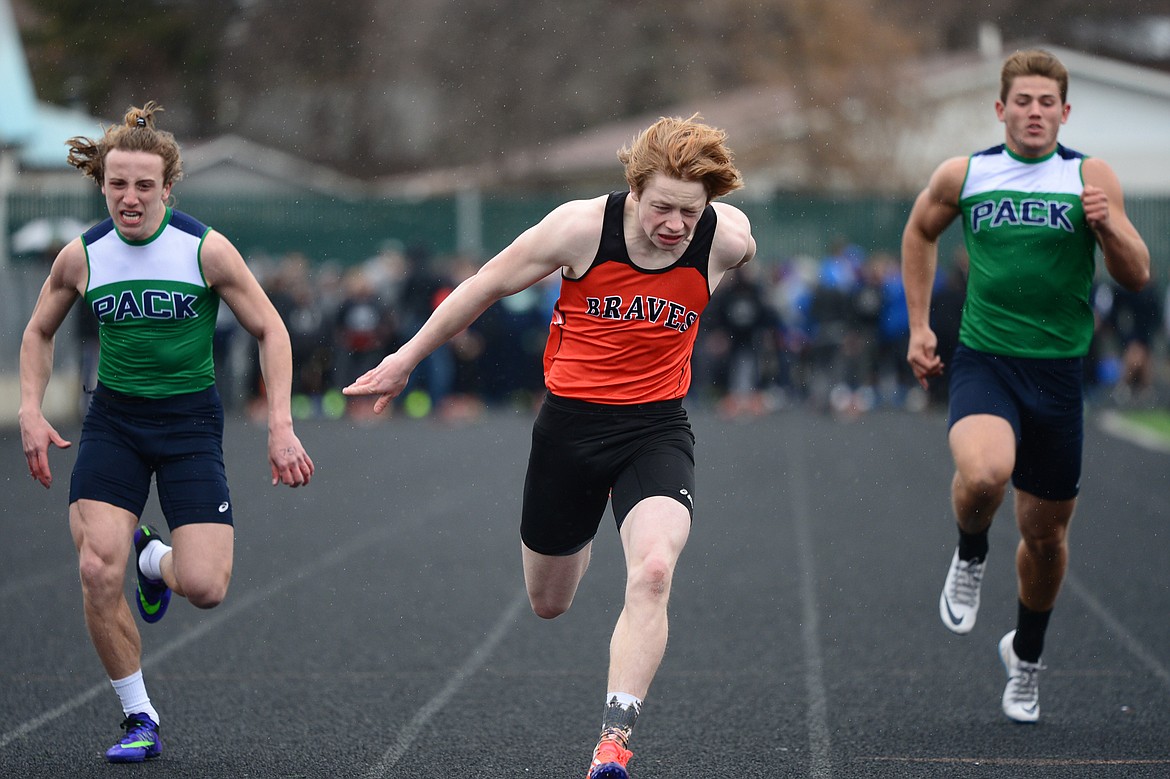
x: 1041, y: 399
x: 587, y: 454
x: 126, y: 440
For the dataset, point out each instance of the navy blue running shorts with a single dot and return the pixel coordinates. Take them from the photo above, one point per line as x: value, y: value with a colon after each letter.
x: 125, y: 440
x: 1043, y: 401
x: 585, y: 455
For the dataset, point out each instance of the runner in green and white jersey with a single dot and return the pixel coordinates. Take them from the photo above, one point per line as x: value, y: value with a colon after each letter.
x: 1033, y: 215
x: 153, y: 277
x: 1031, y: 255
x: 155, y: 310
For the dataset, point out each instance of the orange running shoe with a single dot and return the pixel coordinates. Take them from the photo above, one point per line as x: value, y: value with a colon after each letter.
x: 609, y: 760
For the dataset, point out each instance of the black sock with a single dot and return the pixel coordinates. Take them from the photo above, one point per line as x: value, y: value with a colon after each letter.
x: 972, y: 546
x: 1030, y: 629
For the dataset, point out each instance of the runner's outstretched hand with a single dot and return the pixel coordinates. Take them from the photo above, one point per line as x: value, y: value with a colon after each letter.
x: 387, y: 381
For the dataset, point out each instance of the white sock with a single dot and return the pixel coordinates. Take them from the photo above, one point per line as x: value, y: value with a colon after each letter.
x: 150, y: 561
x: 132, y: 692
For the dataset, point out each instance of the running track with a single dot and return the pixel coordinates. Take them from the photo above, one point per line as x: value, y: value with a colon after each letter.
x: 377, y: 627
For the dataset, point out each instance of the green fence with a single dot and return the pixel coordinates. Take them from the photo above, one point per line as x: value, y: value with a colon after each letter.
x: 326, y: 229
x: 348, y: 232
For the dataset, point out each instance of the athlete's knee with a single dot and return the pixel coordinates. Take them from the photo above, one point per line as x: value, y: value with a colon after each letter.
x: 550, y: 600
x: 650, y: 579
x: 551, y: 581
x: 548, y: 608
x: 551, y: 591
x: 205, y: 593
x: 100, y: 576
x: 1046, y: 543
x: 983, y: 481
x: 1043, y: 523
x: 206, y: 598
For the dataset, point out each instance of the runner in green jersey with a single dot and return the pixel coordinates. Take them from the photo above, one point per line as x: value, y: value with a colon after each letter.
x: 153, y: 277
x: 1033, y: 214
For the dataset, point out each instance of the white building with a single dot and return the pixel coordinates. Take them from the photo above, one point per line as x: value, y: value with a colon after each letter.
x: 1119, y: 112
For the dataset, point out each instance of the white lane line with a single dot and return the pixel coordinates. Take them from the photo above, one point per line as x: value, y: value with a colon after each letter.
x: 215, y: 618
x: 46, y: 717
x: 475, y: 660
x: 820, y: 747
x: 1128, y: 640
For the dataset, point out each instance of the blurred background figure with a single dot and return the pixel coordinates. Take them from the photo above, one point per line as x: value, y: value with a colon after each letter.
x: 365, y: 330
x: 742, y: 343
x: 946, y: 314
x: 1134, y: 320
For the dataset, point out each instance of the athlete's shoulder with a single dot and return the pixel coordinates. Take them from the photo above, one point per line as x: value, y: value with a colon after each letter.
x: 946, y: 182
x: 220, y: 260
x: 580, y: 210
x: 990, y: 151
x: 730, y: 222
x: 574, y: 225
x: 98, y: 231
x: 726, y: 210
x: 996, y: 157
x: 1097, y: 172
x: 733, y: 244
x: 1089, y: 164
x: 188, y: 224
x: 70, y: 268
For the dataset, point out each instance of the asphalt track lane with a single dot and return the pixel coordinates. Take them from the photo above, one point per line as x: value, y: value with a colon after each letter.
x: 376, y: 625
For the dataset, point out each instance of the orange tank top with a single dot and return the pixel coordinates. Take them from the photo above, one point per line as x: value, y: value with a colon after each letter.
x: 621, y: 334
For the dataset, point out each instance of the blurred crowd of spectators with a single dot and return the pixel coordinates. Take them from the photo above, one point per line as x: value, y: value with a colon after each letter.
x: 343, y: 320
x: 828, y: 333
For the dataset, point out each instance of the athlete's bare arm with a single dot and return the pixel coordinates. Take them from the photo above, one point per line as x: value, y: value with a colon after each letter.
x: 228, y: 274
x: 934, y: 209
x: 565, y: 239
x: 1126, y: 255
x: 66, y: 281
x: 733, y: 246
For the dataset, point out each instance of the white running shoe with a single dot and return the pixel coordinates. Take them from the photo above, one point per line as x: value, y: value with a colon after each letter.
x: 1021, y: 696
x: 959, y: 602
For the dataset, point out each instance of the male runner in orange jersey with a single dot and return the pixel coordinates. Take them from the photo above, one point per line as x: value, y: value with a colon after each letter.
x: 637, y: 269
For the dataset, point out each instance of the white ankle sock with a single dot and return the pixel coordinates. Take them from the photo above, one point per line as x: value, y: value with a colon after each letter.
x: 150, y: 561
x: 132, y: 692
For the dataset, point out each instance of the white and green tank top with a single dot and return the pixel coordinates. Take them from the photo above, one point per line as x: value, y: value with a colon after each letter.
x: 155, y: 311
x: 1031, y: 254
